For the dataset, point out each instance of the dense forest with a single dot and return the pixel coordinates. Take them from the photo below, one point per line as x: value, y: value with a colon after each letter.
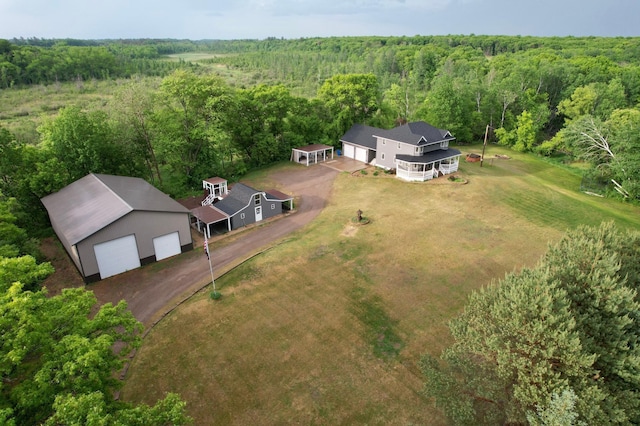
x: 177, y: 111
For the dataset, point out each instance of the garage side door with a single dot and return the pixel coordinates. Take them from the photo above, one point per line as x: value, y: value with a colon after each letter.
x: 167, y: 245
x: 349, y: 151
x: 117, y: 256
x: 361, y: 154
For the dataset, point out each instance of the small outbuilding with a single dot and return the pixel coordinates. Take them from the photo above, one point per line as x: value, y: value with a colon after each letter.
x: 111, y: 224
x: 312, y: 154
x: 224, y: 209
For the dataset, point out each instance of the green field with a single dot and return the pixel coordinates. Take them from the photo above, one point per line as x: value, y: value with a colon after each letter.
x: 327, y: 327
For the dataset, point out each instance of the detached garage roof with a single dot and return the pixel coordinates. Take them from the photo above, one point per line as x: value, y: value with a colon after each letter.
x: 84, y: 207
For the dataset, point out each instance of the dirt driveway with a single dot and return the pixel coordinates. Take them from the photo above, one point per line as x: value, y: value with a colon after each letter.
x: 156, y: 289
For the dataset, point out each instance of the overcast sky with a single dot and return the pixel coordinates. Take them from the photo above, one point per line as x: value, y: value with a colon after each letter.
x: 259, y: 19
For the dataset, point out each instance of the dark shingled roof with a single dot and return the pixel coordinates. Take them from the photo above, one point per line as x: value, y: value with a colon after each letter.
x: 91, y: 203
x: 429, y: 157
x: 418, y: 133
x: 362, y: 135
x: 239, y: 197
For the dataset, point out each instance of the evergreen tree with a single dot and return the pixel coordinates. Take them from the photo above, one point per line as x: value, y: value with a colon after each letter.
x: 570, y: 322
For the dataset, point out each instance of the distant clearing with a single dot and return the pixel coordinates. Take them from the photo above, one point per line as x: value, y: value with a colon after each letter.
x: 192, y: 56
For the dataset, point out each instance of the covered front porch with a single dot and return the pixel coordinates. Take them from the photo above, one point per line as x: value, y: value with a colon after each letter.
x: 312, y: 154
x: 427, y: 167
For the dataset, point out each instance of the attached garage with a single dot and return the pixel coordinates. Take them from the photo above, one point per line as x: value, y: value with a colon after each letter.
x: 349, y: 151
x: 112, y: 224
x: 358, y: 143
x: 361, y: 154
x: 117, y: 256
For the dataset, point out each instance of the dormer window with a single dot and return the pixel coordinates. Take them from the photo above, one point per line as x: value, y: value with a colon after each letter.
x: 256, y: 199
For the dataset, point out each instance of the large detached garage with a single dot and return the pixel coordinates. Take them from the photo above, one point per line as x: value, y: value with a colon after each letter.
x: 112, y: 224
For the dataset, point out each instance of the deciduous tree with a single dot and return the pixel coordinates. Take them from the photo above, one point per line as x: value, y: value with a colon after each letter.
x: 351, y: 99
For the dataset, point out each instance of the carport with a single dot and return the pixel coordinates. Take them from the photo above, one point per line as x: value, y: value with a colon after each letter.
x: 312, y: 154
x: 209, y: 215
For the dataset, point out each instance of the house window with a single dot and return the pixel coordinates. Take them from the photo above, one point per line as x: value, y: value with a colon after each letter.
x: 417, y: 149
x: 256, y: 199
x: 273, y: 206
x: 382, y: 158
x: 399, y: 145
x: 384, y: 141
x: 242, y: 216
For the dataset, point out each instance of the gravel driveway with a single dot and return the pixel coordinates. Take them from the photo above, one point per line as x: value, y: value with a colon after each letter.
x: 152, y: 292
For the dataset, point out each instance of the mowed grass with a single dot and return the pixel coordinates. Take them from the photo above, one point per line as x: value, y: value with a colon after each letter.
x: 327, y: 327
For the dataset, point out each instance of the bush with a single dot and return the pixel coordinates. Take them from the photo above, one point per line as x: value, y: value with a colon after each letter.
x: 215, y: 295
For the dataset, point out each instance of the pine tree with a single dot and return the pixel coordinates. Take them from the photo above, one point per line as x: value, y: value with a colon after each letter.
x: 570, y: 322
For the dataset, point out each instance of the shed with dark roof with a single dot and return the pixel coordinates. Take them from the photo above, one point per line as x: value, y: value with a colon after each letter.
x: 240, y: 206
x: 110, y: 224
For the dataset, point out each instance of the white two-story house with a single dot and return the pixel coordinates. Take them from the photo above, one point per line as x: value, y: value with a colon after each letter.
x: 416, y: 151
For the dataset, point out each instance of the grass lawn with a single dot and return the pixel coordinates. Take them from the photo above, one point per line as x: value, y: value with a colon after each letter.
x: 327, y: 327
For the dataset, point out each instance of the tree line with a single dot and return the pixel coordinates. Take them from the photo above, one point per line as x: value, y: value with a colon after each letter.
x: 41, y: 63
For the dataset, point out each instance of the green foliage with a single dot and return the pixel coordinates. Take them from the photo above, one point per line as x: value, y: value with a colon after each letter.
x: 572, y: 321
x: 22, y: 269
x: 58, y: 356
x: 559, y: 412
x: 596, y: 99
x: 93, y: 409
x: 80, y: 143
x: 446, y: 108
x: 525, y: 133
x: 189, y: 122
x: 610, y: 146
x: 350, y: 99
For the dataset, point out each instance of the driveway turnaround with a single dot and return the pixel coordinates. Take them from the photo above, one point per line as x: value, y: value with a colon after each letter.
x: 154, y: 290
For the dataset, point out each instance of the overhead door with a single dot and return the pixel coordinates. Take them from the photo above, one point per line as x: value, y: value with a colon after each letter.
x: 361, y: 154
x: 167, y: 245
x: 349, y: 151
x: 117, y: 256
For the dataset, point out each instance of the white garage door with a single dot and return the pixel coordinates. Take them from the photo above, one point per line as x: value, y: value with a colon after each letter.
x: 361, y: 154
x: 167, y: 245
x: 349, y: 151
x: 117, y: 256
